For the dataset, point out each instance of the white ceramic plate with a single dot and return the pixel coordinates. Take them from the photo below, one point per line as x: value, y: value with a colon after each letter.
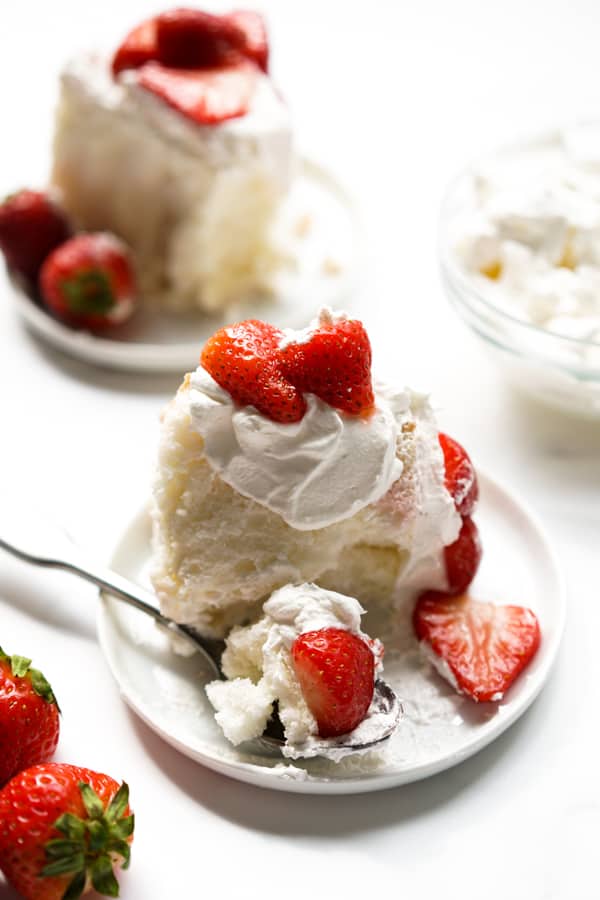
x: 439, y: 728
x: 319, y: 231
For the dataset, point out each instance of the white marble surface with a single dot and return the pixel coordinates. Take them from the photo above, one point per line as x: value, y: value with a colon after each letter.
x: 394, y: 97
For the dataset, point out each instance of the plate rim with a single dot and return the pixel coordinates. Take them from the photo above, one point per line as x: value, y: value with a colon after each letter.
x: 155, y: 358
x: 268, y: 778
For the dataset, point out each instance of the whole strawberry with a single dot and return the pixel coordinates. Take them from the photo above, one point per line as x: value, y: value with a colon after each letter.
x: 336, y: 672
x: 29, y: 716
x: 88, y: 281
x: 63, y: 830
x: 31, y: 226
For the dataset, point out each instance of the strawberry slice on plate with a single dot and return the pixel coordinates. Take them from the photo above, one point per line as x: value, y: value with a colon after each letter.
x: 206, y: 96
x: 483, y: 646
x: 31, y: 226
x: 336, y: 671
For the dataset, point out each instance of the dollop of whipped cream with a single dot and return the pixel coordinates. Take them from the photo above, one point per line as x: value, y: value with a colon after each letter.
x: 314, y: 472
x: 258, y: 665
x: 532, y: 228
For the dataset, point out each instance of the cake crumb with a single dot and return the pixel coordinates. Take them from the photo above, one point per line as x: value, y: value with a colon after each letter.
x: 331, y: 266
x: 303, y: 226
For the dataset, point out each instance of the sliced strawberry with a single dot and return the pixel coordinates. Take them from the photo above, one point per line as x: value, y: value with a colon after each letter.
x: 191, y: 38
x: 484, y: 646
x: 88, y: 281
x: 206, y: 96
x: 462, y: 558
x: 31, y: 226
x: 255, y: 44
x: 336, y: 672
x: 461, y: 478
x: 242, y: 360
x: 139, y: 47
x: 334, y: 363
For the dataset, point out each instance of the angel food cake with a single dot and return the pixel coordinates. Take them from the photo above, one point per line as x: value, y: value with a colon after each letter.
x: 181, y: 146
x: 280, y: 462
x: 292, y: 493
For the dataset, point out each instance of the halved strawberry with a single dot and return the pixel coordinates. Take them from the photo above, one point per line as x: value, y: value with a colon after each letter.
x: 206, y: 96
x: 336, y: 672
x: 462, y: 558
x: 461, y: 478
x: 243, y: 361
x: 484, y: 646
x: 255, y: 44
x: 191, y: 38
x: 334, y: 363
x: 139, y: 47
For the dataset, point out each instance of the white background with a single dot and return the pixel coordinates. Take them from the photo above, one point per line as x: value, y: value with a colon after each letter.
x: 394, y: 97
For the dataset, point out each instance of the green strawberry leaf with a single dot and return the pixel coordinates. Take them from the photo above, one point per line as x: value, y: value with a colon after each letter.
x: 91, y: 801
x: 70, y: 826
x: 66, y: 864
x: 118, y: 804
x: 19, y: 665
x: 76, y: 887
x: 103, y: 877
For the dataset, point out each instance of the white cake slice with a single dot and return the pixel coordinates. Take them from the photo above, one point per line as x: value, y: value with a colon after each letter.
x: 196, y: 203
x: 243, y: 505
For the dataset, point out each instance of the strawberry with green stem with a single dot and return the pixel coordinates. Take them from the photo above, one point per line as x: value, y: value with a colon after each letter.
x: 29, y: 716
x: 63, y: 831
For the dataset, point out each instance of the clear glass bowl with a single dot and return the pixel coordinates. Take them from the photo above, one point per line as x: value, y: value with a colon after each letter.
x: 560, y: 371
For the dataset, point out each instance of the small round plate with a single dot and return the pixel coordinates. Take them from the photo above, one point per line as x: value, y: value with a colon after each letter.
x: 319, y: 232
x: 439, y: 729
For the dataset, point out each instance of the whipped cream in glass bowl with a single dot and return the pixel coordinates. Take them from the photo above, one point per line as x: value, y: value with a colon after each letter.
x: 519, y: 250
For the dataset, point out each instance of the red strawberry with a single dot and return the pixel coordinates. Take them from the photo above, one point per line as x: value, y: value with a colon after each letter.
x: 255, y: 43
x: 191, y: 38
x: 461, y: 479
x: 29, y: 721
x: 243, y: 361
x: 31, y: 226
x: 88, y: 282
x: 139, y: 47
x: 485, y: 646
x: 335, y: 364
x: 336, y: 671
x: 462, y: 558
x: 206, y: 96
x: 62, y: 827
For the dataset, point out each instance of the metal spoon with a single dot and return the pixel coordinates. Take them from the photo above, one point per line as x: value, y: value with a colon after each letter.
x: 35, y: 540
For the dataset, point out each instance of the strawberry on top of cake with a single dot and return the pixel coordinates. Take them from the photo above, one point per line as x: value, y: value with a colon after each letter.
x: 282, y: 461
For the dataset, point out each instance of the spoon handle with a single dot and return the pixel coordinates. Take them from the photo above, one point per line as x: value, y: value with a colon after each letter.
x: 102, y: 577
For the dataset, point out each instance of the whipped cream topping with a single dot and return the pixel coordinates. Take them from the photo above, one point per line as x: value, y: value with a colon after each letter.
x: 314, y: 472
x: 263, y: 132
x: 258, y: 662
x: 531, y: 232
